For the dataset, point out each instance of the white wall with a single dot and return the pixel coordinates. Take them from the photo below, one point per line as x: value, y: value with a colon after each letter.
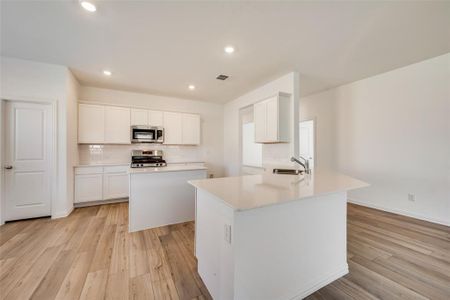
x: 72, y: 88
x: 211, y: 148
x: 393, y: 131
x: 272, y: 153
x: 34, y: 81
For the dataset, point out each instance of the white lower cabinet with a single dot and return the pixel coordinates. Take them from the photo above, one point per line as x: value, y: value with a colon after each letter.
x: 101, y: 183
x: 115, y: 183
x: 88, y: 187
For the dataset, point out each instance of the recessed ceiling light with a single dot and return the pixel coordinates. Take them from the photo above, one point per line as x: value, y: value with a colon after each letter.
x: 107, y: 72
x: 229, y: 49
x: 89, y: 6
x: 191, y: 87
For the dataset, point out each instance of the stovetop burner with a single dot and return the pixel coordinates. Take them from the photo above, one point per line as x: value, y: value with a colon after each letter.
x: 147, y: 158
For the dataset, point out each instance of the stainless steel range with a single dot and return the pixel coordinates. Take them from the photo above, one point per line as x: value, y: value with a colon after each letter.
x: 147, y: 158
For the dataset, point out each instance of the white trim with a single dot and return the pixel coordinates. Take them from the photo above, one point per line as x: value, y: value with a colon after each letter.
x: 400, y: 212
x: 100, y: 202
x: 54, y: 161
x: 315, y: 286
x: 62, y: 214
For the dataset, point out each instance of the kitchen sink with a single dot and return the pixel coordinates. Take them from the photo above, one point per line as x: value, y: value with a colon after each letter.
x: 288, y: 171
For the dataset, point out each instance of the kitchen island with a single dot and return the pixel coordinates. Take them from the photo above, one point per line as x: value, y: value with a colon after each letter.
x: 162, y: 196
x: 271, y: 236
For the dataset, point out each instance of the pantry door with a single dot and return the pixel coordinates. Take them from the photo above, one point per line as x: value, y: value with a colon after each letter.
x: 28, y: 160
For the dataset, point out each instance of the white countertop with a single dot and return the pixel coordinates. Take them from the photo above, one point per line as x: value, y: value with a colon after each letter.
x: 168, y: 168
x: 253, y: 191
x: 102, y: 165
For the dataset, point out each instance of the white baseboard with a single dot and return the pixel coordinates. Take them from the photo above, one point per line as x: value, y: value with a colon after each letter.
x: 321, y: 283
x: 62, y: 214
x: 401, y: 212
x: 100, y: 202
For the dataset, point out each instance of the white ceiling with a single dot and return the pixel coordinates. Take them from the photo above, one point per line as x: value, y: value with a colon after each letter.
x: 162, y: 47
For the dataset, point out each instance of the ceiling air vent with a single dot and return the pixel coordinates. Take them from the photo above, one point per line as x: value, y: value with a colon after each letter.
x: 222, y: 77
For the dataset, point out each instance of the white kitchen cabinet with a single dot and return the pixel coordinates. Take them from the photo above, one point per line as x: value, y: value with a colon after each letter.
x: 139, y: 117
x: 172, y: 128
x: 91, y: 124
x: 190, y: 129
x: 181, y: 129
x: 272, y: 119
x: 115, y: 182
x: 88, y: 187
x: 117, y: 125
x: 259, y: 118
x: 214, y: 245
x: 146, y: 117
x: 101, y: 183
x: 155, y: 118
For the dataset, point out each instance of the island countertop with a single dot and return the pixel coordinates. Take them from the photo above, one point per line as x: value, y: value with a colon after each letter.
x: 253, y: 191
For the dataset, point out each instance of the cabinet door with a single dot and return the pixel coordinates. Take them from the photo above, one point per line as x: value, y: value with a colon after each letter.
x: 172, y: 128
x: 117, y: 125
x: 88, y: 187
x: 91, y: 124
x: 191, y: 129
x: 155, y: 118
x: 115, y: 185
x: 259, y: 118
x: 139, y: 117
x: 272, y: 119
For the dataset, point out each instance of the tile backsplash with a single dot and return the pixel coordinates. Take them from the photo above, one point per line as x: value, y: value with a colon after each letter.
x: 99, y: 154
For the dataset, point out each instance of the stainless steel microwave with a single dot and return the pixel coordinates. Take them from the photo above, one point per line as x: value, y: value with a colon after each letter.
x: 147, y: 134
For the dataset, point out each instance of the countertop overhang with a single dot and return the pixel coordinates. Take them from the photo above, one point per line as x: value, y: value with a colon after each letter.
x: 254, y: 191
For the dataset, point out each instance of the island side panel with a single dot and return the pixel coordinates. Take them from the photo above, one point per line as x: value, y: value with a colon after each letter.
x: 214, y: 244
x: 161, y: 198
x: 290, y: 250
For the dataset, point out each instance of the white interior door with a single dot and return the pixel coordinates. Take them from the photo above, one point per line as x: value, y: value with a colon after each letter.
x: 306, y: 132
x: 28, y: 160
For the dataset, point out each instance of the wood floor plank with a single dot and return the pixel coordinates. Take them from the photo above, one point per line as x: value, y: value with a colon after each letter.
x: 91, y: 255
x: 95, y: 285
x: 25, y: 287
x: 141, y: 288
x: 51, y: 283
x: 117, y: 286
x: 183, y: 279
x: 103, y: 252
x: 74, y: 280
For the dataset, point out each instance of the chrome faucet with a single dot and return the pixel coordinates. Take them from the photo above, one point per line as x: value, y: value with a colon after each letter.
x: 304, y: 165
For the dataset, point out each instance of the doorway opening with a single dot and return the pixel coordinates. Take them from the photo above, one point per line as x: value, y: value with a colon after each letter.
x: 307, y: 141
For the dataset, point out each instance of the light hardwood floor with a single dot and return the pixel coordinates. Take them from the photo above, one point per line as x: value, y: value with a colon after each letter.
x: 91, y: 255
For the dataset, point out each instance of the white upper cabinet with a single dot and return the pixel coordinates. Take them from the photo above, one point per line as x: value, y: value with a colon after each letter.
x: 139, y: 117
x: 105, y: 124
x: 272, y: 119
x: 172, y: 128
x: 190, y: 129
x: 259, y: 118
x: 91, y: 124
x: 146, y: 117
x: 181, y: 129
x: 117, y: 125
x: 155, y: 118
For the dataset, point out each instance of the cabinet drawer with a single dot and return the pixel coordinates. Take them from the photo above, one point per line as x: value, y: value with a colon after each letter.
x: 116, y: 169
x: 88, y: 170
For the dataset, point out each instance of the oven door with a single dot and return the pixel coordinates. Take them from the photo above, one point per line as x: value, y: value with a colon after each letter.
x: 143, y: 134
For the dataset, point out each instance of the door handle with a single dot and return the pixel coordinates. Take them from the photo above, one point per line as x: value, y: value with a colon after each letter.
x: 8, y: 167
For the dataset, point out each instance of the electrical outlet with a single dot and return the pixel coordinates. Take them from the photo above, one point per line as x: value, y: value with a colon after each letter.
x: 411, y: 197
